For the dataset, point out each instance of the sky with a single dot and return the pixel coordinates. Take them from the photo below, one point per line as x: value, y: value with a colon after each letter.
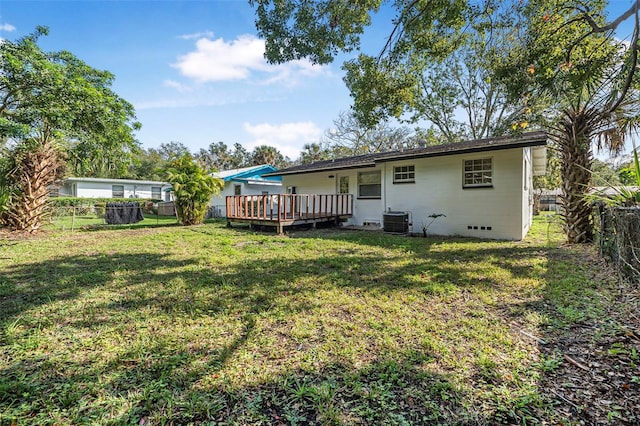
x: 194, y: 70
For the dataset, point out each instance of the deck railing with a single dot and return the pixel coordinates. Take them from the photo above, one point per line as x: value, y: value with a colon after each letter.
x: 288, y: 207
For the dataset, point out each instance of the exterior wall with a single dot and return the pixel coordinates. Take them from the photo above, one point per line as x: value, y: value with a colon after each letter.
x: 504, y: 208
x: 438, y: 189
x: 326, y: 182
x: 104, y: 190
x: 219, y: 204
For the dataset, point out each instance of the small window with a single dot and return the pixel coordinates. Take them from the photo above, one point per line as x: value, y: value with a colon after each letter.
x: 156, y: 192
x: 265, y: 192
x: 404, y: 174
x: 343, y: 185
x: 292, y: 190
x: 369, y: 185
x: 478, y: 173
x: 237, y: 189
x: 117, y: 191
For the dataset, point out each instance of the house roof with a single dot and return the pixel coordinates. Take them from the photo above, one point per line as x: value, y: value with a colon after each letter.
x: 466, y: 147
x: 116, y: 181
x: 253, y: 173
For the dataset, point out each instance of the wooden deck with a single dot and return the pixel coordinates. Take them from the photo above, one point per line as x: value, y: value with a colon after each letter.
x: 281, y: 210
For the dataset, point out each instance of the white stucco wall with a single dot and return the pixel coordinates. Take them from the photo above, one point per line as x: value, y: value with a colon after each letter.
x: 438, y: 189
x: 504, y: 208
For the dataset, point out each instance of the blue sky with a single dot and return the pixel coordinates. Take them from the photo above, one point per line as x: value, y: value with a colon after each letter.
x: 194, y: 70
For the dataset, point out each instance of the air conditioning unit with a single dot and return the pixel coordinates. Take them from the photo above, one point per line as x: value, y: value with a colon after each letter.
x: 397, y: 222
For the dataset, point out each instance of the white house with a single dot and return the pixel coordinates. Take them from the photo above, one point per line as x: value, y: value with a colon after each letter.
x: 245, y: 181
x: 114, y: 188
x: 483, y: 188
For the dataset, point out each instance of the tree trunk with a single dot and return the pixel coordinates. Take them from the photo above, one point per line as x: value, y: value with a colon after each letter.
x: 35, y: 171
x: 574, y: 145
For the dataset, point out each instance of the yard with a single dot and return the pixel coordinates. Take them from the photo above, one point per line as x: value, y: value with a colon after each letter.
x: 175, y: 325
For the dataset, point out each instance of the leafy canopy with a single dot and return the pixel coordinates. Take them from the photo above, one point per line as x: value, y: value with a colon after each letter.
x: 56, y: 95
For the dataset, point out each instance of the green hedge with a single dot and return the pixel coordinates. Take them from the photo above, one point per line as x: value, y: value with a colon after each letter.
x: 87, y: 202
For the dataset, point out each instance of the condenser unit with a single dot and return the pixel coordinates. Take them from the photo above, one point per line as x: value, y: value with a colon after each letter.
x: 397, y: 222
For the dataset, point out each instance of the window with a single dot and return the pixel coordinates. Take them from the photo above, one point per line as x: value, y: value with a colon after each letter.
x: 369, y: 184
x: 156, y: 192
x: 292, y: 190
x: 237, y: 189
x: 343, y: 185
x: 478, y: 173
x: 265, y: 192
x: 117, y: 191
x: 404, y: 174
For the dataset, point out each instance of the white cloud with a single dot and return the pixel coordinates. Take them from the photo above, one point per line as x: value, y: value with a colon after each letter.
x: 288, y: 138
x: 182, y: 88
x: 239, y: 59
x: 205, y: 99
x: 7, y: 27
x: 203, y: 34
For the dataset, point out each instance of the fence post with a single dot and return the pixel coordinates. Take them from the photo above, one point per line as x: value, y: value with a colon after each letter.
x: 73, y: 218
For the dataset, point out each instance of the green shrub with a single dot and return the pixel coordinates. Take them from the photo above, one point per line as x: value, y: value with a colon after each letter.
x: 87, y: 202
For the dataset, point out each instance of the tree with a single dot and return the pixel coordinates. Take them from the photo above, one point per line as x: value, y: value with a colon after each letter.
x: 240, y: 157
x: 627, y: 174
x: 215, y: 157
x: 148, y: 164
x: 53, y: 105
x: 351, y: 137
x: 193, y: 188
x: 218, y: 157
x: 312, y: 152
x: 171, y: 150
x: 265, y: 154
x: 450, y: 86
x: 584, y: 78
x: 435, y: 64
x: 604, y: 174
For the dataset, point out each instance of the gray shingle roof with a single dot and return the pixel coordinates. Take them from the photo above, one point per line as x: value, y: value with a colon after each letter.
x: 369, y: 160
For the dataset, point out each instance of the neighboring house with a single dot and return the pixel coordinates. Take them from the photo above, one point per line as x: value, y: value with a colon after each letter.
x: 549, y: 199
x: 483, y: 187
x: 245, y: 181
x: 114, y: 188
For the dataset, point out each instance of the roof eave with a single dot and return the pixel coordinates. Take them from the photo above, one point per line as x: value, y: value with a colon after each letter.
x: 470, y: 150
x: 323, y: 169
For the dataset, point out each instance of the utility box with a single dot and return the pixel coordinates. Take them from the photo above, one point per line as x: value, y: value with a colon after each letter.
x: 396, y: 222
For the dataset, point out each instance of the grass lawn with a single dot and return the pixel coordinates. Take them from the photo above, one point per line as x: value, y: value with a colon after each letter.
x: 177, y: 325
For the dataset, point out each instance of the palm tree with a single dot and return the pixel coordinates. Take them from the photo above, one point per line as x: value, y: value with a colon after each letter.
x: 265, y: 154
x: 580, y: 122
x: 192, y: 188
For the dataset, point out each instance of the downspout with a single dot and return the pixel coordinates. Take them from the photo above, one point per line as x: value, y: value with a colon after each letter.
x: 384, y: 209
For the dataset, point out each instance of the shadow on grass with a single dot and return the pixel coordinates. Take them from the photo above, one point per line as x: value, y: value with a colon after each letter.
x: 171, y: 387
x: 170, y: 379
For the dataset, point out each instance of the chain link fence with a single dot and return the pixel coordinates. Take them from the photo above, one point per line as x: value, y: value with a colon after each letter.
x: 618, y: 238
x: 72, y: 218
